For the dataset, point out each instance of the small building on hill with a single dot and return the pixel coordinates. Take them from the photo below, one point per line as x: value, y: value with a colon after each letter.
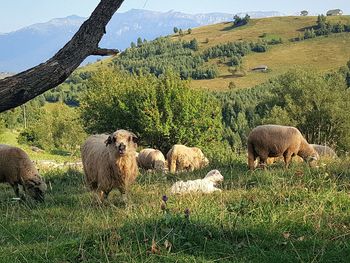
x: 260, y: 68
x: 334, y: 12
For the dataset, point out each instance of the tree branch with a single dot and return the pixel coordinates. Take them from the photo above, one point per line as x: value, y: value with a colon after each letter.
x: 105, y: 52
x: 20, y: 88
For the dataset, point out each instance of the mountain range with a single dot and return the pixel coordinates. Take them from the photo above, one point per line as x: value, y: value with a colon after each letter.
x: 29, y: 46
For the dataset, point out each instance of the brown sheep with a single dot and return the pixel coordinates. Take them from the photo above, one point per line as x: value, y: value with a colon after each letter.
x: 151, y: 159
x: 109, y: 162
x: 275, y: 140
x: 183, y: 158
x: 16, y: 169
x: 324, y: 151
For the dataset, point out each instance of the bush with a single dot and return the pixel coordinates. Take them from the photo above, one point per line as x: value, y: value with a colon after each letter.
x: 161, y: 111
x: 57, y: 128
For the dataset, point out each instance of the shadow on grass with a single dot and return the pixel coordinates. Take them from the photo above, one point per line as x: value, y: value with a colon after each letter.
x: 173, y: 238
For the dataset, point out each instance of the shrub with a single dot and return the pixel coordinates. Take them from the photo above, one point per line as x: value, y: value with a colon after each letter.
x: 161, y: 111
x: 56, y: 128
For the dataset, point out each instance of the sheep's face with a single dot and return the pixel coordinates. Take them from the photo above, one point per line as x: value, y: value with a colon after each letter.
x: 214, y: 176
x: 122, y: 142
x: 313, y: 159
x: 203, y: 161
x: 36, y: 188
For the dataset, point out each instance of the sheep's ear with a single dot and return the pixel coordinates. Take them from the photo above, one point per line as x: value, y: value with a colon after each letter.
x: 33, y: 182
x: 133, y: 137
x: 109, y: 140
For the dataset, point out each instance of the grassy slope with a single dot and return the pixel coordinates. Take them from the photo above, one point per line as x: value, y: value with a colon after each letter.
x: 265, y: 216
x: 322, y: 53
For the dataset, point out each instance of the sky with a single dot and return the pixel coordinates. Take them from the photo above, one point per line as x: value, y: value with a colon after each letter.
x: 15, y: 14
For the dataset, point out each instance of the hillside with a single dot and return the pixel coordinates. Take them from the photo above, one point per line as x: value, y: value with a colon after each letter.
x: 321, y: 53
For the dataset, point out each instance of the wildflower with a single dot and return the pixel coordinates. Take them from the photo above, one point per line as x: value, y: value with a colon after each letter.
x: 165, y: 198
x: 187, y: 213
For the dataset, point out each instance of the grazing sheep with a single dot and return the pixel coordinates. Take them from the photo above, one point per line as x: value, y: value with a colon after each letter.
x: 151, y: 159
x: 205, y: 185
x: 109, y: 162
x: 275, y: 140
x: 325, y: 151
x: 181, y: 157
x: 17, y: 169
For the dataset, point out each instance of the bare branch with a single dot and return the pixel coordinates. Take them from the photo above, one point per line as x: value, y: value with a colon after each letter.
x: 20, y: 88
x: 105, y: 52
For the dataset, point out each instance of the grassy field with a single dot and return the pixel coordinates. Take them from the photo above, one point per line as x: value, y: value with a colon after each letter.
x: 299, y: 215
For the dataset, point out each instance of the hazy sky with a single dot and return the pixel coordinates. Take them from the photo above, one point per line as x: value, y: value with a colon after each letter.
x: 15, y: 14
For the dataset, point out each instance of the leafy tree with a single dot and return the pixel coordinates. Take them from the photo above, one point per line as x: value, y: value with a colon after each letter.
x: 176, y: 30
x: 132, y: 45
x: 139, y: 42
x: 238, y: 21
x: 189, y: 31
x: 193, y: 44
x: 181, y: 33
x: 309, y: 33
x: 162, y: 111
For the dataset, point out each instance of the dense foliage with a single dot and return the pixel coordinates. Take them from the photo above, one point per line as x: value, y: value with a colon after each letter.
x: 239, y: 21
x: 162, y: 111
x: 324, y: 28
x: 162, y: 54
x: 68, y: 92
x: 56, y: 128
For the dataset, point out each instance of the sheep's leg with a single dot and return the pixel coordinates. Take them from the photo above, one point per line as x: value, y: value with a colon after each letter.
x: 287, y: 158
x: 172, y: 165
x: 262, y: 162
x: 101, y: 196
x: 251, y: 157
x: 16, y: 189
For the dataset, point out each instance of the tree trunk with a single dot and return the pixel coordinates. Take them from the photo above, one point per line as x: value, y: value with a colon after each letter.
x: 20, y: 88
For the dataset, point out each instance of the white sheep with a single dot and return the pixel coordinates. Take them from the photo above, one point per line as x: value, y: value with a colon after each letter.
x: 109, y: 162
x: 205, y: 185
x: 182, y: 158
x: 151, y: 159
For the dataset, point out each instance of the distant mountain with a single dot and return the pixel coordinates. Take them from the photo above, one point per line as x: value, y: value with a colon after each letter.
x: 261, y: 14
x: 29, y: 46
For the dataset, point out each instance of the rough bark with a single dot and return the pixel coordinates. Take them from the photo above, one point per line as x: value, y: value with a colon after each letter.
x: 20, y: 88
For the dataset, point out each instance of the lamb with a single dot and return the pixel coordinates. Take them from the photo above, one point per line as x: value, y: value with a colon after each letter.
x: 151, y: 159
x: 181, y: 157
x: 205, y: 185
x: 275, y: 140
x: 16, y: 169
x: 325, y: 151
x: 109, y: 162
